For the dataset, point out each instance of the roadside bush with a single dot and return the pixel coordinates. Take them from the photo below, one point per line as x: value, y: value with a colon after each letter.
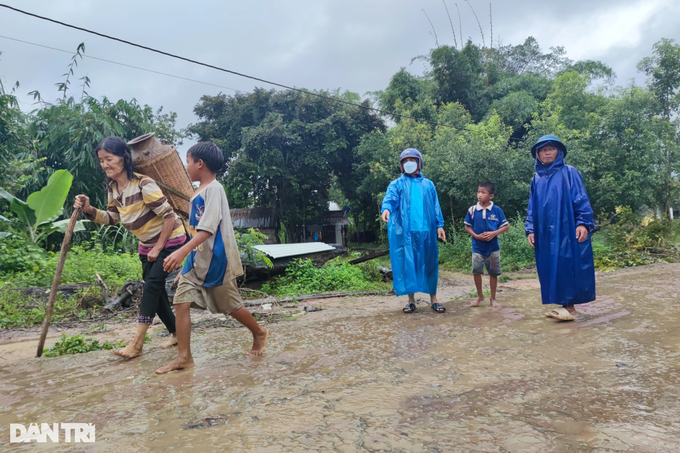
x: 17, y: 310
x: 78, y: 344
x: 18, y: 255
x: 627, y: 240
x: 23, y: 265
x: 81, y: 264
x: 302, y: 277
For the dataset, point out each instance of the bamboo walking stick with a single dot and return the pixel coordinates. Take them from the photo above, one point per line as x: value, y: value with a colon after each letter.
x: 57, y: 280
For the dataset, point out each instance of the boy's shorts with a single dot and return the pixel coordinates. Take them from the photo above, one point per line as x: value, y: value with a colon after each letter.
x: 218, y: 299
x: 492, y: 263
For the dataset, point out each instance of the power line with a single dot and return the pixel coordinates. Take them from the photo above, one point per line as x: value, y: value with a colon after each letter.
x: 118, y: 63
x: 229, y: 71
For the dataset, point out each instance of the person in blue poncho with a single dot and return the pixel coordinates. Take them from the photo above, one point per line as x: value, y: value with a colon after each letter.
x: 558, y: 226
x: 414, y: 223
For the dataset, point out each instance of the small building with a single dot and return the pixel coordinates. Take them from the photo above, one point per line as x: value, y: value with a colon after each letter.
x: 331, y: 229
x: 266, y: 220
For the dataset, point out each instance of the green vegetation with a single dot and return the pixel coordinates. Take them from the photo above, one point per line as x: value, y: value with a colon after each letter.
x: 22, y: 265
x: 629, y: 240
x: 81, y: 264
x: 16, y: 310
x: 78, y: 344
x: 304, y: 278
x: 36, y: 218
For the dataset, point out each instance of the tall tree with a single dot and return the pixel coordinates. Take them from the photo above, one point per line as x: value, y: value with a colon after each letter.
x: 663, y: 69
x: 282, y: 147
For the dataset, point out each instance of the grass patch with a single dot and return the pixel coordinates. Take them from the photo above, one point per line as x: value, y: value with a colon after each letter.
x: 504, y: 278
x: 81, y: 264
x: 473, y: 294
x: 79, y: 344
x: 18, y: 311
x: 302, y: 277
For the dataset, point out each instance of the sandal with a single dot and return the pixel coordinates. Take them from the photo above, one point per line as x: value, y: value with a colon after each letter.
x: 561, y: 314
x: 438, y: 308
x: 409, y: 308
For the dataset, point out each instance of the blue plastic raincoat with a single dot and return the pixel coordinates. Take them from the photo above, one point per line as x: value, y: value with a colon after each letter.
x: 415, y: 215
x: 558, y: 203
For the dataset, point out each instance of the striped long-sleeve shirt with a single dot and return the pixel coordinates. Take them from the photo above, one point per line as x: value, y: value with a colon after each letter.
x: 141, y: 208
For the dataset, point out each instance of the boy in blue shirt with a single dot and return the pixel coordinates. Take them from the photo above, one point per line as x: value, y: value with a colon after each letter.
x: 208, y: 279
x: 484, y: 222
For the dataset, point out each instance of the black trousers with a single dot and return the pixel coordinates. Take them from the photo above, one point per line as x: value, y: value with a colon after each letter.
x: 154, y: 298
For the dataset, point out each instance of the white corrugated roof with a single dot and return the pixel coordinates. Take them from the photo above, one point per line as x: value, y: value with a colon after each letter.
x: 283, y: 250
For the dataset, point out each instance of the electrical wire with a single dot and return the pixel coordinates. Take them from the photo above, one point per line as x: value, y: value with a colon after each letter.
x: 229, y: 71
x: 120, y: 64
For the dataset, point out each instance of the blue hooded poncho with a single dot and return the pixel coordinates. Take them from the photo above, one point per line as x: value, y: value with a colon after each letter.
x: 415, y: 215
x: 558, y: 203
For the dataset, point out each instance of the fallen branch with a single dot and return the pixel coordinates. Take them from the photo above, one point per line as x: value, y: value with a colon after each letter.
x: 370, y: 257
x: 269, y: 300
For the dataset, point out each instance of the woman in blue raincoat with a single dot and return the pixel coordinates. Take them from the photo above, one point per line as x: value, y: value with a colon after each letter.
x: 558, y: 226
x: 414, y: 223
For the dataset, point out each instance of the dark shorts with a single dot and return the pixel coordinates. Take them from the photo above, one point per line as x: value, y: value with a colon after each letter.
x: 492, y: 263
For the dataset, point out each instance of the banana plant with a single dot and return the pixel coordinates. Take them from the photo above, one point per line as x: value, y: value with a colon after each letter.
x: 36, y: 218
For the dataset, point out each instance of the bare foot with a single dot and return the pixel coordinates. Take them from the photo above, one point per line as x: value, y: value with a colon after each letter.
x: 477, y: 301
x: 128, y: 352
x: 178, y: 364
x: 172, y: 341
x: 495, y: 304
x: 571, y: 310
x: 259, y: 342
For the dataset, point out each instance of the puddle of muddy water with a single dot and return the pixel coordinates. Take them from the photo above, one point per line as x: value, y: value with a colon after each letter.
x: 361, y: 375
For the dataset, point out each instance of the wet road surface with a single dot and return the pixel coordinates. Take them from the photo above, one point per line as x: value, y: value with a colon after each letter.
x: 362, y: 376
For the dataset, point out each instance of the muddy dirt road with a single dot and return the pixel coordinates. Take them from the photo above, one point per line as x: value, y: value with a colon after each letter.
x: 361, y: 376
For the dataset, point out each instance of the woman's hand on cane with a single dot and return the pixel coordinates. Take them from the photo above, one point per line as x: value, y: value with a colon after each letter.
x: 82, y: 202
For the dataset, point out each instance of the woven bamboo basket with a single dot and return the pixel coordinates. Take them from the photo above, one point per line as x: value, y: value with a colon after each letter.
x: 161, y: 162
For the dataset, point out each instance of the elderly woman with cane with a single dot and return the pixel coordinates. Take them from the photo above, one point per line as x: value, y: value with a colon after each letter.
x: 137, y: 202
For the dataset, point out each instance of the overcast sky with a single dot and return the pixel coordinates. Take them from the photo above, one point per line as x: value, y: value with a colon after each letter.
x: 316, y: 44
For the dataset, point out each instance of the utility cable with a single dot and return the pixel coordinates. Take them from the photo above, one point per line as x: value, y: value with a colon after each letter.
x: 229, y: 71
x: 120, y: 64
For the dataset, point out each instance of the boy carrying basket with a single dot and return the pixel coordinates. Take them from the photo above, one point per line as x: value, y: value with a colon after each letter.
x: 208, y: 278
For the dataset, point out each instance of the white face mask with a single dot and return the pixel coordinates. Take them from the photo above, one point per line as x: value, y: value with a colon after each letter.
x: 410, y: 167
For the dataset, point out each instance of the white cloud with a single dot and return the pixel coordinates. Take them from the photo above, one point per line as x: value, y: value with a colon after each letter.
x: 591, y: 36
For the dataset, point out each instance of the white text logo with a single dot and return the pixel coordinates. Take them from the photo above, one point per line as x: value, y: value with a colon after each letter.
x: 73, y: 432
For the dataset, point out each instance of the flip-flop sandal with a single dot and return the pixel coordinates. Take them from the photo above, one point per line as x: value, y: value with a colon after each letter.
x: 438, y: 308
x: 561, y: 314
x: 409, y: 308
